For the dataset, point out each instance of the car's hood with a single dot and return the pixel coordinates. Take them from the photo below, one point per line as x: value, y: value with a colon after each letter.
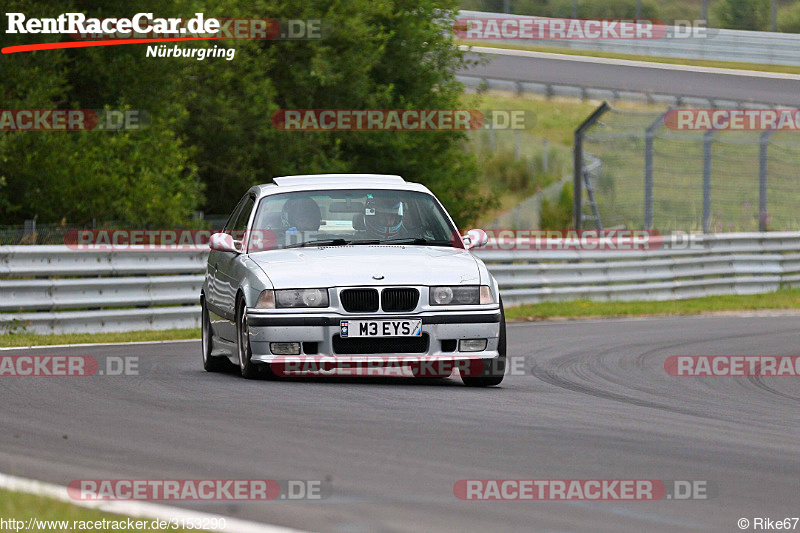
x: 359, y: 265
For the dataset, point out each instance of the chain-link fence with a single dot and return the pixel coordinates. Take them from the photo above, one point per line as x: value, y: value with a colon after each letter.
x: 32, y: 232
x: 654, y: 177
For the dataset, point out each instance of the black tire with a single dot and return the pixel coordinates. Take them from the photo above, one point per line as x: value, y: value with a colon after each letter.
x: 248, y: 369
x: 210, y: 363
x: 493, y: 370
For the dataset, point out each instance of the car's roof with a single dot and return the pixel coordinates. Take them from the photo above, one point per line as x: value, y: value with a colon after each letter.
x: 324, y: 179
x: 310, y: 182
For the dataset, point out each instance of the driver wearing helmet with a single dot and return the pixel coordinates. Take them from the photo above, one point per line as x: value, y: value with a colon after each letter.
x: 383, y: 217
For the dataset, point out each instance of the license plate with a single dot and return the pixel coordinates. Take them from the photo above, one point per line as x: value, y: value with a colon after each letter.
x: 381, y: 328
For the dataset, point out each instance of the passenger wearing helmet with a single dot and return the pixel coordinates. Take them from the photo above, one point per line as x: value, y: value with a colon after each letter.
x: 383, y: 217
x: 300, y: 216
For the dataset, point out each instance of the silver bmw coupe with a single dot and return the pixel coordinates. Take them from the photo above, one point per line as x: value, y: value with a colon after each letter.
x: 349, y: 267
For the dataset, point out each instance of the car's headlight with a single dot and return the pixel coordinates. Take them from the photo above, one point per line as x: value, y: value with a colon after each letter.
x: 461, y: 295
x: 302, y: 298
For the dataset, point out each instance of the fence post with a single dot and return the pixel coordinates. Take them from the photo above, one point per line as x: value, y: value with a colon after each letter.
x: 708, y: 138
x: 773, y: 15
x: 650, y: 135
x: 29, y: 231
x: 763, y: 142
x: 545, y: 157
x: 577, y: 163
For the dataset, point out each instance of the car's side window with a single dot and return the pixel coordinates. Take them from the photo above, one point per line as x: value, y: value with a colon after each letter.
x: 234, y: 216
x: 243, y: 217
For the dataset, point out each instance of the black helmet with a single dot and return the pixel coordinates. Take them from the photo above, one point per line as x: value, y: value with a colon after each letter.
x: 301, y: 214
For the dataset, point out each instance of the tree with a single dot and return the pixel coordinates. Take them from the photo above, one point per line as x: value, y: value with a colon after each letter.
x: 381, y: 54
x: 144, y: 177
x: 211, y: 118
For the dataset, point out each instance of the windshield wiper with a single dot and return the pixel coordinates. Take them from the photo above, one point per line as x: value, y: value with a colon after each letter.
x: 365, y: 241
x: 319, y: 242
x: 416, y: 240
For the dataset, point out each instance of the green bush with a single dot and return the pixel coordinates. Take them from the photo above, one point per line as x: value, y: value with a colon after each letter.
x: 789, y: 19
x: 743, y: 14
x: 558, y: 215
x: 507, y: 173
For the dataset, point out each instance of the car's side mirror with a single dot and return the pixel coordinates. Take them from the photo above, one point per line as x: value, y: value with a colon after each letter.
x: 222, y: 242
x: 475, y: 238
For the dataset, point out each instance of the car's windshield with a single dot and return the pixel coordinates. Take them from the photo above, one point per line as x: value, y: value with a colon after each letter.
x: 351, y: 216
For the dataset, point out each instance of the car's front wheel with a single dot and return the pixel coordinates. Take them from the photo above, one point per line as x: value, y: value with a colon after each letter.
x: 210, y: 363
x: 492, y: 371
x: 248, y: 369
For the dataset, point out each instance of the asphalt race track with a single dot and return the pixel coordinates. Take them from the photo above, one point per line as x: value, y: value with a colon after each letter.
x: 638, y: 78
x: 595, y: 403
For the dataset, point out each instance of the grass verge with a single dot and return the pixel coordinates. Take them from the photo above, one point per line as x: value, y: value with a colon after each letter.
x: 782, y: 299
x: 22, y: 507
x: 31, y: 339
x: 785, y: 69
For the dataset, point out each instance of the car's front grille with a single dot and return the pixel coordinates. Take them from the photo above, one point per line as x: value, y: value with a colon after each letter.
x: 359, y: 300
x: 380, y: 345
x: 402, y: 299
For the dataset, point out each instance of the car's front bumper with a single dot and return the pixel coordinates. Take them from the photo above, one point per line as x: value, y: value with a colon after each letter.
x: 318, y: 330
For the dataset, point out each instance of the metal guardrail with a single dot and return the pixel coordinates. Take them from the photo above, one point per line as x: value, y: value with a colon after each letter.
x: 731, y: 263
x: 54, y: 289
x: 718, y: 45
x: 603, y: 94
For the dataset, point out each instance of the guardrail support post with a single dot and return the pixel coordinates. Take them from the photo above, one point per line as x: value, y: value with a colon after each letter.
x: 577, y: 163
x: 708, y: 139
x: 763, y: 142
x: 650, y: 135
